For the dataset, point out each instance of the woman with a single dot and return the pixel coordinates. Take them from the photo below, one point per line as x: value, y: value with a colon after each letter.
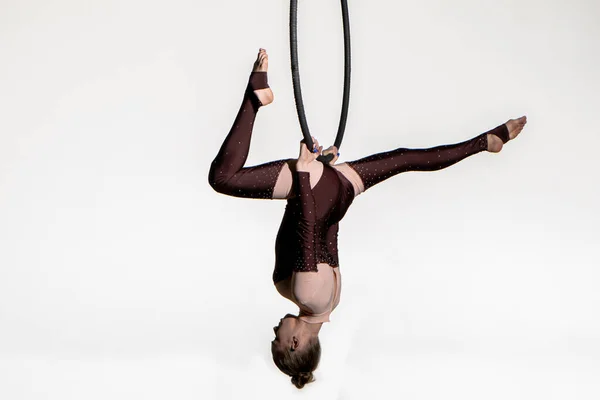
x: 306, y: 263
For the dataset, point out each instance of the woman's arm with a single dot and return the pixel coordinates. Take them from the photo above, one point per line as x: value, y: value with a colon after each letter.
x: 306, y: 222
x: 308, y: 211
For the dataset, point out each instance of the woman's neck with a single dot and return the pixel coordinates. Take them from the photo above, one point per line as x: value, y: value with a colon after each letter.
x: 311, y: 328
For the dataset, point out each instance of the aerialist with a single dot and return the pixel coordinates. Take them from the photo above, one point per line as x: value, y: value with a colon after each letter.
x: 318, y: 196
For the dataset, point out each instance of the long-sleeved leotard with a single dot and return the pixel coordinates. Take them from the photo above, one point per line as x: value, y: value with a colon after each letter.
x: 316, y: 293
x: 298, y: 249
x: 333, y: 194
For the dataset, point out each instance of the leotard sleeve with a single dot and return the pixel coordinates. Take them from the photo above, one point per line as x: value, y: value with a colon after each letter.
x: 306, y: 224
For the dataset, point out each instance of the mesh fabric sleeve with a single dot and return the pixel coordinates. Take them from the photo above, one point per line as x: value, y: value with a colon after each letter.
x: 306, y: 225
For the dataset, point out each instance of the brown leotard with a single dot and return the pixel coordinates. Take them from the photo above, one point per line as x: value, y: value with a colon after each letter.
x: 308, y: 232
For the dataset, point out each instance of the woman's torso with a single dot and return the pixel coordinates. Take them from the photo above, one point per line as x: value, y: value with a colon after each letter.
x: 333, y: 195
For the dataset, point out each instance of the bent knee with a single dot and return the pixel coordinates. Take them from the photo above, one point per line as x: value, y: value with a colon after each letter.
x: 217, y: 181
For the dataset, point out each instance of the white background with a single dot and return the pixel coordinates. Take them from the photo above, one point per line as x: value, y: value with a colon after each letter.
x: 123, y: 275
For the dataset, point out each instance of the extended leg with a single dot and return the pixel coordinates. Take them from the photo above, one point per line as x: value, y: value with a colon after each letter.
x: 227, y: 173
x: 379, y: 167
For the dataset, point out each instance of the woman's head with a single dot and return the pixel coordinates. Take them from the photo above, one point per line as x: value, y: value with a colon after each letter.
x: 296, y: 351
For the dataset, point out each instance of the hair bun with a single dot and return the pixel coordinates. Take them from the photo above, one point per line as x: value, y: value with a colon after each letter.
x: 302, y: 379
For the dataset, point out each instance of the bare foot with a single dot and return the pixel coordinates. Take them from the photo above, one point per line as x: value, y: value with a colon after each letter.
x: 262, y: 65
x: 515, y: 126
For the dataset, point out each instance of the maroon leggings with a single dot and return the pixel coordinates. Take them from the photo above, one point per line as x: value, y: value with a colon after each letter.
x: 228, y: 175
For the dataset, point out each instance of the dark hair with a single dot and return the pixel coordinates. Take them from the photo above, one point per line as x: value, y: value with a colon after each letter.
x: 299, y: 364
x: 302, y: 379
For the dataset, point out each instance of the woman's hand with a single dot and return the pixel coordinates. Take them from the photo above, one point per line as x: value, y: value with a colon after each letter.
x: 331, y: 150
x: 306, y: 156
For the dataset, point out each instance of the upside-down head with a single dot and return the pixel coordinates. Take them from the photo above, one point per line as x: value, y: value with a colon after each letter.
x: 295, y: 352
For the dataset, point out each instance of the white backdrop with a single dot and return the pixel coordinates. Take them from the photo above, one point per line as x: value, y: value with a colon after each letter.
x: 124, y: 276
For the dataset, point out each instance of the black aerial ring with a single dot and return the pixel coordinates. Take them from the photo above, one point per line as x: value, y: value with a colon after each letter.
x: 296, y: 78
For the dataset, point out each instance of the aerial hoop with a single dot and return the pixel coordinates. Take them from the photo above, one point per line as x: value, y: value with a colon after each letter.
x: 296, y: 78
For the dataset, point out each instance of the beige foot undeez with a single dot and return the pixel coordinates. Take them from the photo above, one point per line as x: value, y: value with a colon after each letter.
x: 262, y: 65
x: 515, y: 126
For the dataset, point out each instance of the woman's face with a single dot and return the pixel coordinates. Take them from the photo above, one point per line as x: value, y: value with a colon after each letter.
x: 285, y: 332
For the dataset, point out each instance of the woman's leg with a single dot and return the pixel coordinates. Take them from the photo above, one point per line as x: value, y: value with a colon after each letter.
x: 379, y: 167
x: 227, y: 173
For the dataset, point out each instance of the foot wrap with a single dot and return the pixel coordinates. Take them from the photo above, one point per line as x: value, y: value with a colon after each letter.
x: 258, y: 80
x: 502, y: 132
